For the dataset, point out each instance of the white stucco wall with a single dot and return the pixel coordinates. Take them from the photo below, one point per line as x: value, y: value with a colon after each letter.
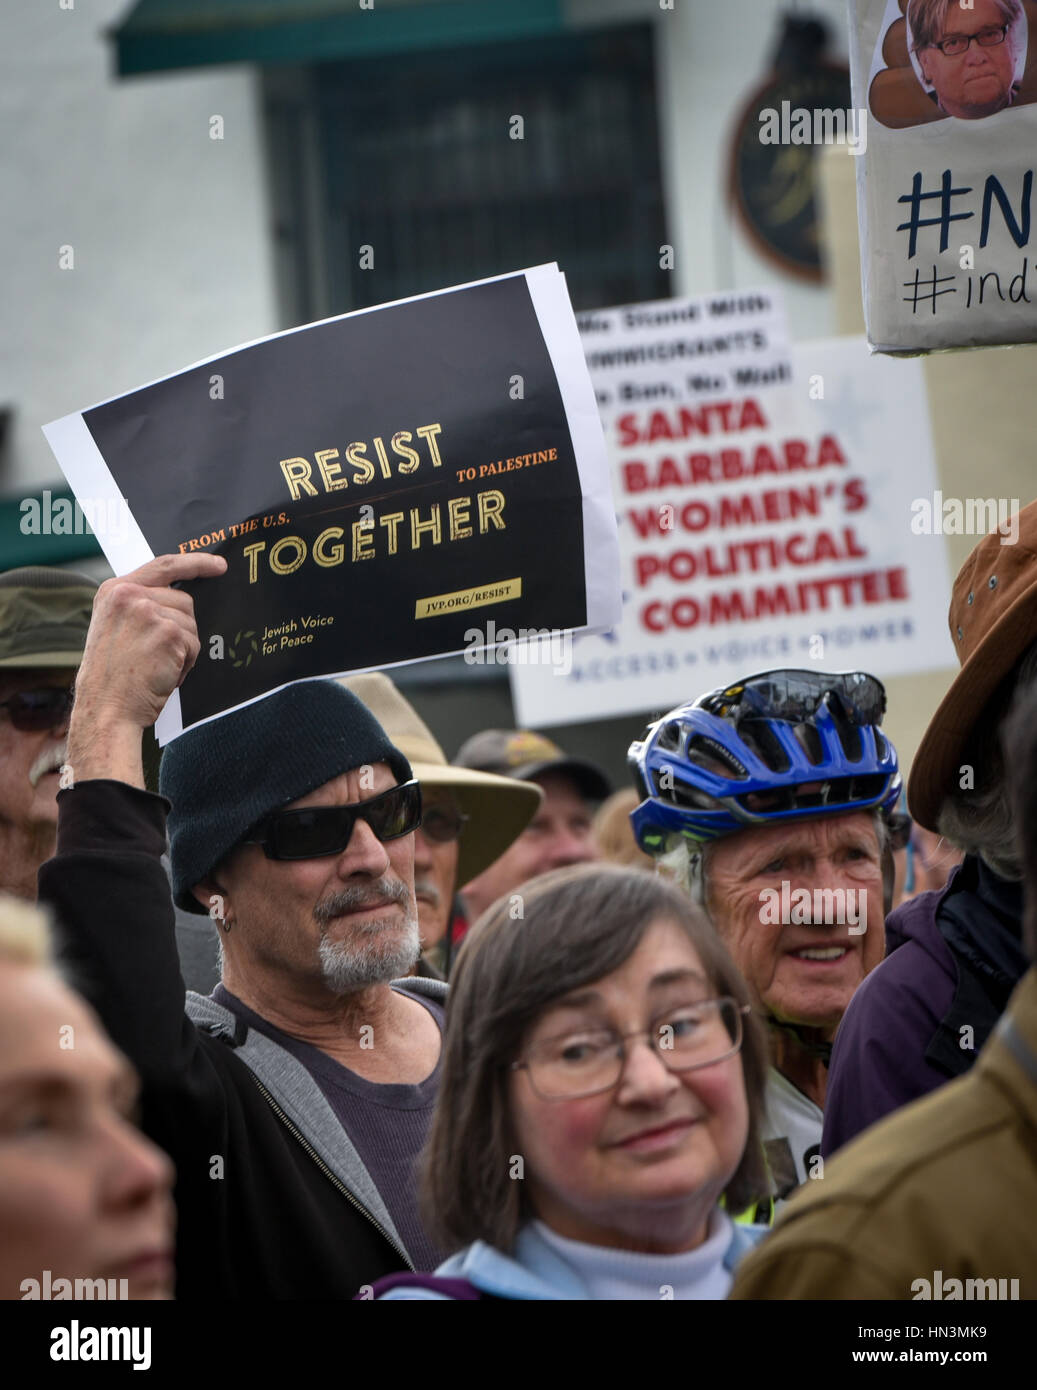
x: 170, y: 229
x: 720, y: 53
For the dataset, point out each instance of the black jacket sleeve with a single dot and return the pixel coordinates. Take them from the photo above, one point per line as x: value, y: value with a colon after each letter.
x: 109, y: 896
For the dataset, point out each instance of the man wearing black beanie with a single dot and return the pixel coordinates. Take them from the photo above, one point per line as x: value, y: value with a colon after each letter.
x: 295, y: 1099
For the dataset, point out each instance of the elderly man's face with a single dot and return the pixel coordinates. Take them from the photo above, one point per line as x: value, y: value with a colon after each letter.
x: 435, y: 865
x: 801, y: 972
x: 29, y: 777
x: 561, y: 833
x: 977, y: 82
x: 348, y: 920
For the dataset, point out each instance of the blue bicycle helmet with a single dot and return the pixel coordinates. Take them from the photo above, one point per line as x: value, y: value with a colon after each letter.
x: 780, y: 745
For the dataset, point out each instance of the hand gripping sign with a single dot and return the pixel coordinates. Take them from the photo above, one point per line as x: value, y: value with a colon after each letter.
x: 379, y: 483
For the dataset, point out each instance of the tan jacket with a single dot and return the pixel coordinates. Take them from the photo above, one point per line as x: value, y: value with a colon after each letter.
x: 944, y: 1189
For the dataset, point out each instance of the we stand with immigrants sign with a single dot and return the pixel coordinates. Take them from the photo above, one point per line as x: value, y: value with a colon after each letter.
x: 767, y: 518
x: 945, y: 189
x: 380, y: 483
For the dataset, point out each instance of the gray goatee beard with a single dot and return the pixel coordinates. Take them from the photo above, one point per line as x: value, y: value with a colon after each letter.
x: 376, y: 951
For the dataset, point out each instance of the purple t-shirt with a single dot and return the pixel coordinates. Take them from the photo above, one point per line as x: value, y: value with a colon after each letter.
x: 387, y: 1124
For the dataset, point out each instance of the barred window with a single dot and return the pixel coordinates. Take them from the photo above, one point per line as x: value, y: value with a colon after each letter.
x: 456, y: 164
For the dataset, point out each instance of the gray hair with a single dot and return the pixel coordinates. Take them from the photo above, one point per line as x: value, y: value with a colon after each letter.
x: 688, y: 867
x: 981, y: 819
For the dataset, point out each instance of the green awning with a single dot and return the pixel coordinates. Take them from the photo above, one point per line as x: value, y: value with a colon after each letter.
x: 44, y: 528
x: 161, y: 34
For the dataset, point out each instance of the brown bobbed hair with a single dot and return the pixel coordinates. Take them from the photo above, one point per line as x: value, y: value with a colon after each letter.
x: 577, y: 926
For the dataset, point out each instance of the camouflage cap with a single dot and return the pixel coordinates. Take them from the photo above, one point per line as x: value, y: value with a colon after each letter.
x: 44, y: 616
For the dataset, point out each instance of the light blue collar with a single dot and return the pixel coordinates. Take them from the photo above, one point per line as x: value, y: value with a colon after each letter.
x: 535, y: 1271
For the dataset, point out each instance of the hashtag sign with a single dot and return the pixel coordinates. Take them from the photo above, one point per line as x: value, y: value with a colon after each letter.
x: 928, y: 287
x: 945, y: 217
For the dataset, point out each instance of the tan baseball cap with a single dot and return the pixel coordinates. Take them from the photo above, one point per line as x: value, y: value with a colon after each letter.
x: 498, y: 808
x: 526, y: 755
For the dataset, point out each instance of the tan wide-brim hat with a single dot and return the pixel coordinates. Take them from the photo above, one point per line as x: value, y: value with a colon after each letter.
x: 993, y: 619
x: 498, y: 808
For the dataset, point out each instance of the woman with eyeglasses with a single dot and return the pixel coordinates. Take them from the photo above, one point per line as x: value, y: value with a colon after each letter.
x: 600, y: 1104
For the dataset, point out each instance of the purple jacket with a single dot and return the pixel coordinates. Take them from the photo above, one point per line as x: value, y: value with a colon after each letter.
x: 921, y: 1017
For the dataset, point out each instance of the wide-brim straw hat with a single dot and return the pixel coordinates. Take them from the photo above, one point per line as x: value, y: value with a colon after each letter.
x: 498, y: 808
x: 993, y: 619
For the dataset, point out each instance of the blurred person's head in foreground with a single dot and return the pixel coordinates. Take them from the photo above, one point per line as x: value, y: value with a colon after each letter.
x: 769, y: 801
x: 468, y: 818
x: 615, y: 835
x: 84, y: 1197
x: 44, y: 616
x: 561, y: 832
x: 957, y: 786
x: 608, y: 1046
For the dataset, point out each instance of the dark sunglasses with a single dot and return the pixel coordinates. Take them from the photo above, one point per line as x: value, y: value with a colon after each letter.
x: 795, y: 696
x: 441, y: 824
x: 31, y: 711
x: 316, y: 831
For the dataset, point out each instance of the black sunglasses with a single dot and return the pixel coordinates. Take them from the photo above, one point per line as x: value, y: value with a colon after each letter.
x: 315, y: 831
x: 795, y: 696
x: 442, y: 824
x: 30, y: 711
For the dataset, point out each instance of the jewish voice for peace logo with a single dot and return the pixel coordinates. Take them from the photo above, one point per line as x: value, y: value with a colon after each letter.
x: 244, y: 643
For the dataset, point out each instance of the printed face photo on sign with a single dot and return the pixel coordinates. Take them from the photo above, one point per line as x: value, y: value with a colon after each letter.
x: 940, y: 58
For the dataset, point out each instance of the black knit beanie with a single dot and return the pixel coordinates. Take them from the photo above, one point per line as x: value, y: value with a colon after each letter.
x: 224, y: 776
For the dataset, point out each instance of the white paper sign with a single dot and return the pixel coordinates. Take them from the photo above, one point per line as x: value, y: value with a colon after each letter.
x: 778, y: 527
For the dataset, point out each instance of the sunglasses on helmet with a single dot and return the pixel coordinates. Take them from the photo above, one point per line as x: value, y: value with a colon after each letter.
x: 31, y: 711
x: 795, y: 696
x: 314, y: 831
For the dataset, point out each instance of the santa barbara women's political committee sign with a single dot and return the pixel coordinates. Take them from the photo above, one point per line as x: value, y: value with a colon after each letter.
x: 945, y: 188
x: 379, y: 483
x: 780, y: 510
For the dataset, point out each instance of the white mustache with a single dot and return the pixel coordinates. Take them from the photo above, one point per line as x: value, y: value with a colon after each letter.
x: 49, y: 760
x: 427, y: 888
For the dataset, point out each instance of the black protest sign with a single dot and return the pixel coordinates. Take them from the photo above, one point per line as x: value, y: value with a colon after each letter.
x: 380, y: 484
